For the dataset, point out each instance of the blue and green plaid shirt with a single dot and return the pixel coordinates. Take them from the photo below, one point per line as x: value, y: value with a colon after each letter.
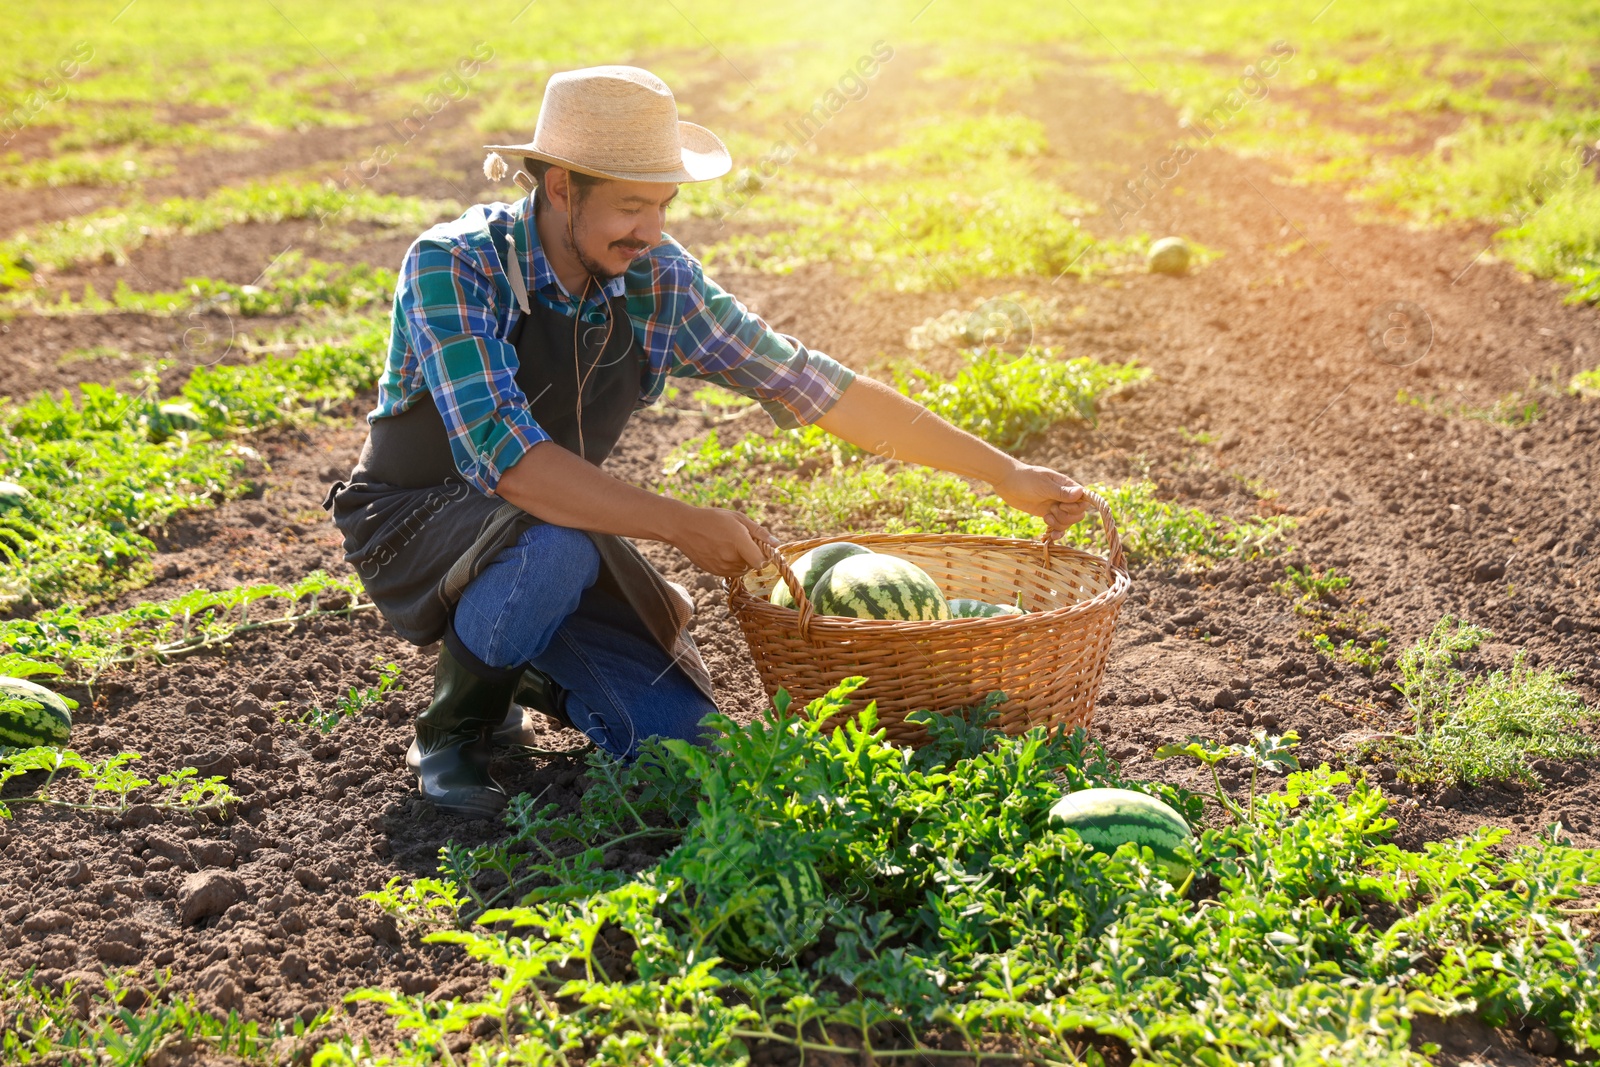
x: 454, y: 309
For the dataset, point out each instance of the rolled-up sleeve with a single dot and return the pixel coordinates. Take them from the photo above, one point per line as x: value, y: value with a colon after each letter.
x: 447, y: 305
x: 719, y: 340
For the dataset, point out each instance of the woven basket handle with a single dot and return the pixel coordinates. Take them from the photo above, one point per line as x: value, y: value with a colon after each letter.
x: 796, y: 590
x: 1119, y: 561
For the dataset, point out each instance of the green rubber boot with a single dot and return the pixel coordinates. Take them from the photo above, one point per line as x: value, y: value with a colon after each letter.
x: 535, y: 692
x: 453, y: 737
x: 538, y: 691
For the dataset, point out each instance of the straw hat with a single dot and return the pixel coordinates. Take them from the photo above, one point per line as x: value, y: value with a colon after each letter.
x: 617, y: 122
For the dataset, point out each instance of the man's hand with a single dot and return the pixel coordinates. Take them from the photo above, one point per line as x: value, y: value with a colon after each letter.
x: 878, y: 419
x: 725, y: 543
x: 1052, y: 496
x: 555, y: 485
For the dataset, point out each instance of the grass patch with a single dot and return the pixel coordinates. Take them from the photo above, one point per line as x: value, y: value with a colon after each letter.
x: 1007, y: 399
x: 928, y: 234
x: 715, y: 397
x: 948, y: 910
x: 291, y: 285
x: 951, y: 202
x: 67, y: 639
x: 137, y: 128
x: 1488, y: 728
x: 1514, y: 409
x: 1500, y: 101
x: 1508, y: 87
x: 55, y: 171
x: 1533, y: 178
x: 1339, y: 628
x: 109, y: 235
x: 1001, y: 398
x: 820, y: 484
x: 872, y: 496
x: 106, y: 467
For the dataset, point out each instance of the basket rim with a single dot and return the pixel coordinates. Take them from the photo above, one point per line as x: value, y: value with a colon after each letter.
x: 742, y: 601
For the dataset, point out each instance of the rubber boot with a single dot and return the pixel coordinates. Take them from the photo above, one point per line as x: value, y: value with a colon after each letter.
x: 539, y: 692
x: 452, y: 746
x: 535, y: 692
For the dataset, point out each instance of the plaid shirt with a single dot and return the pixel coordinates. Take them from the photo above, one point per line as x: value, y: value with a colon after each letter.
x: 454, y: 308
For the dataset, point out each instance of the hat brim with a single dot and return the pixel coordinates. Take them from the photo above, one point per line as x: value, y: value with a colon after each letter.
x: 704, y: 157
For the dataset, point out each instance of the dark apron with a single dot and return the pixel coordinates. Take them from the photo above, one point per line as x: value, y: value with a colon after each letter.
x: 417, y: 532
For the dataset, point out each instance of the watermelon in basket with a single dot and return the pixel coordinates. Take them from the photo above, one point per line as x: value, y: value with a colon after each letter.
x: 1049, y: 661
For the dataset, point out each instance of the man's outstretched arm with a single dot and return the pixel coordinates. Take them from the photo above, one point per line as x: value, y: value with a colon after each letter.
x: 563, y: 489
x: 873, y: 416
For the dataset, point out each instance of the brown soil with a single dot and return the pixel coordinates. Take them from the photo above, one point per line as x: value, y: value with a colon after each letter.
x: 1264, y: 349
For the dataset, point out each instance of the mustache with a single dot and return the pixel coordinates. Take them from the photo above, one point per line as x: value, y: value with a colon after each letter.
x: 630, y: 246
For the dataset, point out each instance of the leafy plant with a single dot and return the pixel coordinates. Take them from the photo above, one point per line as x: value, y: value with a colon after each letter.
x: 717, y: 402
x: 1001, y: 398
x: 1473, y: 729
x: 987, y: 322
x: 958, y: 917
x: 44, y: 1027
x: 1586, y: 383
x: 1513, y: 409
x: 1339, y: 630
x: 1006, y: 399
x: 182, y: 791
x: 428, y: 902
x: 1369, y: 657
x: 166, y: 629
x: 354, y: 701
x: 106, y: 467
x: 1273, y: 753
x: 1313, y: 585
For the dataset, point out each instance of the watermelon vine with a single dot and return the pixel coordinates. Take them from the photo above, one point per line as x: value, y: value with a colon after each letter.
x: 957, y: 918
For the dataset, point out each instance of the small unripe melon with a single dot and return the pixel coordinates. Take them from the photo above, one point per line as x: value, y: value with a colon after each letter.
x: 1170, y: 255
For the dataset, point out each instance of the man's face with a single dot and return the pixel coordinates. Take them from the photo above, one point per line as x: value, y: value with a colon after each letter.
x: 615, y: 222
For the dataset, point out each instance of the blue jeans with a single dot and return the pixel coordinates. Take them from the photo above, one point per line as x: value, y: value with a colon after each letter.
x: 536, y: 604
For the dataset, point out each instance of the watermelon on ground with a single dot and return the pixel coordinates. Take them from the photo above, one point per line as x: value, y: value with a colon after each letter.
x: 964, y: 608
x: 786, y: 922
x: 1170, y: 255
x: 813, y: 565
x: 1106, y: 818
x: 879, y: 586
x: 180, y: 414
x: 31, y: 715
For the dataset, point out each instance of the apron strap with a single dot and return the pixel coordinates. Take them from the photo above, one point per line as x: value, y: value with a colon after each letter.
x: 519, y: 286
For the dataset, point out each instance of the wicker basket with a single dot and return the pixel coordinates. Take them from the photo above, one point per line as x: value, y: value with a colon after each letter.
x: 1049, y: 662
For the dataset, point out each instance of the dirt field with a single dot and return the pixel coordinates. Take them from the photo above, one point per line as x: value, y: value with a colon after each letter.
x: 1262, y: 369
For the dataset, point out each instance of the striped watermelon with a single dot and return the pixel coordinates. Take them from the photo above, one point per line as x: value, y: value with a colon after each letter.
x: 879, y: 586
x: 1106, y: 818
x: 12, y: 495
x: 789, y: 918
x: 813, y: 565
x: 180, y: 415
x: 962, y: 608
x: 31, y: 715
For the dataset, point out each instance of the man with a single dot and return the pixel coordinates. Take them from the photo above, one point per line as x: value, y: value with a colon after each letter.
x: 524, y: 336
